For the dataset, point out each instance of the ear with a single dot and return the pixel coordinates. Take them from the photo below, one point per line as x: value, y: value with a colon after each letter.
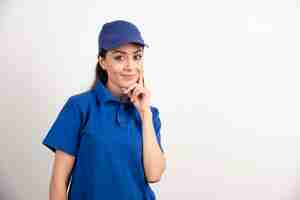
x: 102, y: 62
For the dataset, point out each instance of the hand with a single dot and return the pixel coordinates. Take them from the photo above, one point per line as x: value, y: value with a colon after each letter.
x: 139, y: 94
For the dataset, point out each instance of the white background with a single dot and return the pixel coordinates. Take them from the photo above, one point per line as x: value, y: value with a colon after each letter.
x: 224, y: 75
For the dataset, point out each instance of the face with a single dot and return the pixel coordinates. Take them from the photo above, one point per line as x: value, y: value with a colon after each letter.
x: 123, y: 65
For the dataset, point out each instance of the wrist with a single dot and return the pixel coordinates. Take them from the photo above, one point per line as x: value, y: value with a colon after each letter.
x: 146, y: 113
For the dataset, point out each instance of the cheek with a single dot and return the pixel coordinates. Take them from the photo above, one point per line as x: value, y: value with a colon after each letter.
x: 114, y: 71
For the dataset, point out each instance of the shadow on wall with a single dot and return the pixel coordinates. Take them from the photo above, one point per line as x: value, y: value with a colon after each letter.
x: 7, y: 189
x: 4, y: 7
x: 295, y: 191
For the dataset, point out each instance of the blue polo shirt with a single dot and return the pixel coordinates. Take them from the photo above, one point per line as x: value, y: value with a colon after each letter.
x: 104, y: 134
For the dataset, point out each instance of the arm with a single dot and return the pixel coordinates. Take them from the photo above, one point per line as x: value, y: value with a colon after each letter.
x: 63, y: 164
x: 154, y: 159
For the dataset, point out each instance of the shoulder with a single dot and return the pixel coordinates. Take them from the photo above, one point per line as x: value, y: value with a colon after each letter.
x: 83, y: 100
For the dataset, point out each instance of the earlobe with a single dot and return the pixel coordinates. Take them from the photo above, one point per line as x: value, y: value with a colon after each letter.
x: 102, y: 64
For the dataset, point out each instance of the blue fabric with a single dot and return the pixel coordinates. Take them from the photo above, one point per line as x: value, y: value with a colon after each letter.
x: 104, y: 134
x: 115, y: 33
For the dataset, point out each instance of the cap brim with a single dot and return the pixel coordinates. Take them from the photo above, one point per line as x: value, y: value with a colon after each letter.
x: 116, y: 45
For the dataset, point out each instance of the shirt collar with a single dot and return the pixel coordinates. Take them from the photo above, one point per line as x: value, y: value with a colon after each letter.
x: 104, y: 94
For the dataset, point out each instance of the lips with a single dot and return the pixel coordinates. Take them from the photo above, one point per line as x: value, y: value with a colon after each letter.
x: 128, y: 75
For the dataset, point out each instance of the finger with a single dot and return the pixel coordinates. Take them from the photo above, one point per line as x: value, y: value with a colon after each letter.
x: 130, y: 88
x: 132, y: 93
x: 141, y: 79
x: 134, y: 98
x: 137, y: 91
x: 139, y: 94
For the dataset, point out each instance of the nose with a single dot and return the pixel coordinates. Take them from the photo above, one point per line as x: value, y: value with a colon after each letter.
x: 129, y: 65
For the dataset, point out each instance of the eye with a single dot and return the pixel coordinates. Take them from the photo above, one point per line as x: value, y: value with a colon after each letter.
x: 138, y: 57
x: 119, y: 58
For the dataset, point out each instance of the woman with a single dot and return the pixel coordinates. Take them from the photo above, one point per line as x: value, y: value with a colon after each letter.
x: 107, y: 140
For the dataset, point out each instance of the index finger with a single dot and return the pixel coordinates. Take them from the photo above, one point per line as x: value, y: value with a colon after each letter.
x: 141, y: 79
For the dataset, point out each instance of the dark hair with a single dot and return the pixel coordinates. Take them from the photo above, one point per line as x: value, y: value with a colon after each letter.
x: 100, y: 73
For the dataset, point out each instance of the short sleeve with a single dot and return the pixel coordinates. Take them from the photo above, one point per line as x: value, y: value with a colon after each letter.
x: 64, y: 132
x: 157, y: 125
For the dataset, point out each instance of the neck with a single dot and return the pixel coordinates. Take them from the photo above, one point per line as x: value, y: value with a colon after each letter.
x: 114, y: 89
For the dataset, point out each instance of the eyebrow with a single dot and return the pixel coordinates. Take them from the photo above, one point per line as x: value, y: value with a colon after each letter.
x: 124, y: 52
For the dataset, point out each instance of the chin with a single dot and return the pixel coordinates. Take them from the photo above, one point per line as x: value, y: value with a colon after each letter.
x: 127, y: 84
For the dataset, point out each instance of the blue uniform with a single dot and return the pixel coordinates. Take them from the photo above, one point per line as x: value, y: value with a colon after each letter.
x: 105, y: 136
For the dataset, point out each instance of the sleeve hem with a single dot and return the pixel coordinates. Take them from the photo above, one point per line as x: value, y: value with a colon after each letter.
x: 53, y: 148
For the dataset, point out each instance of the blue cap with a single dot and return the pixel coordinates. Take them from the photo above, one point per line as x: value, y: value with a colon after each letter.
x: 116, y: 33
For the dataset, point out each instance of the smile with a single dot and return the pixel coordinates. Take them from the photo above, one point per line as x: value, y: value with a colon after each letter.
x: 128, y: 75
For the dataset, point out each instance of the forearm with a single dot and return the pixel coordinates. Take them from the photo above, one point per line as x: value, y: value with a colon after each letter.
x: 153, y: 158
x: 58, y: 191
